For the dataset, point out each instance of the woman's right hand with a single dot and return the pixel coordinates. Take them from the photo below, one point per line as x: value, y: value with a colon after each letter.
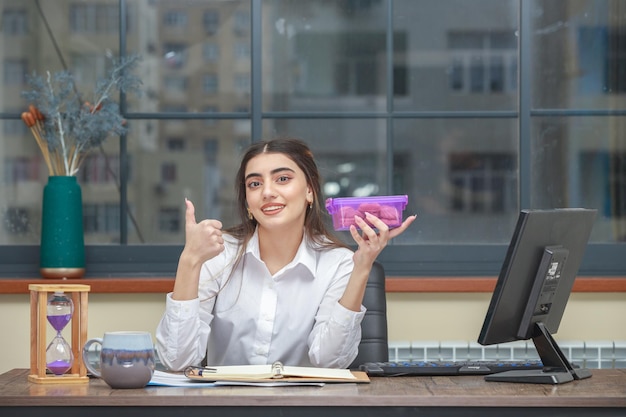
x: 203, y: 241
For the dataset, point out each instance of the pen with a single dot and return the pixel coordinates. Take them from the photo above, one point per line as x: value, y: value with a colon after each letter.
x: 206, y: 370
x: 196, y: 370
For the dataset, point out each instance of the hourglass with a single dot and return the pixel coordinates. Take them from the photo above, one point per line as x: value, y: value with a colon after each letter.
x: 58, y: 306
x: 59, y: 357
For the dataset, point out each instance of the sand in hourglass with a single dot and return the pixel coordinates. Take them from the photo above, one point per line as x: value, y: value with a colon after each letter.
x: 58, y: 344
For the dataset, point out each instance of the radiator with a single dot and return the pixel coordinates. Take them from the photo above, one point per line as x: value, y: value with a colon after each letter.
x: 587, y: 354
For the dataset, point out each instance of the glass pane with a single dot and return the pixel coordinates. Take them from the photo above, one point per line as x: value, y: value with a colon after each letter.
x: 181, y: 159
x: 461, y: 177
x: 323, y: 55
x: 581, y: 162
x: 579, y: 50
x: 196, y: 55
x: 351, y: 154
x: 85, y: 33
x: 455, y: 55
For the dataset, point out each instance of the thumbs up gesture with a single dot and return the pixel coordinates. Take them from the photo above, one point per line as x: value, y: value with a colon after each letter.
x: 203, y: 241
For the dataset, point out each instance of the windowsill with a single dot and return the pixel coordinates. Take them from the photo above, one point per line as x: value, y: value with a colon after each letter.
x: 123, y: 285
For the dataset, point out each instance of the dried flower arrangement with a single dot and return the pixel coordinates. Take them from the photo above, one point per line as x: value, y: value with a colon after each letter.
x: 67, y: 128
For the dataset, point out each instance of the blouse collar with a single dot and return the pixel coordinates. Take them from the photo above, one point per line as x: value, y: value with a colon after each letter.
x: 305, y: 256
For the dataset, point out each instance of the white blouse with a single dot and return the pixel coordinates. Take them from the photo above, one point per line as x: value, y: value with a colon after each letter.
x: 253, y: 317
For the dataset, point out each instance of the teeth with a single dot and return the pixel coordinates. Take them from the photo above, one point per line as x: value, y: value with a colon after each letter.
x: 272, y: 208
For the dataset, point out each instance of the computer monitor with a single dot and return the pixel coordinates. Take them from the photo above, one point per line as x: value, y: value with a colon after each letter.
x: 533, y: 287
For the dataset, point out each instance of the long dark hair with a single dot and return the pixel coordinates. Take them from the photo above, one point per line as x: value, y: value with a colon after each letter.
x: 298, y: 151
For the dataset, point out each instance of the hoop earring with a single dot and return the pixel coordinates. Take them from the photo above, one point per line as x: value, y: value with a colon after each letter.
x: 250, y: 216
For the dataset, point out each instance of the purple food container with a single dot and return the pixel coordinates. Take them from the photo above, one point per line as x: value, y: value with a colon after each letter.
x: 388, y: 208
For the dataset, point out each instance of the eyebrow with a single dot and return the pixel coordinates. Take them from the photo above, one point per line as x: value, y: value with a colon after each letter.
x: 273, y: 172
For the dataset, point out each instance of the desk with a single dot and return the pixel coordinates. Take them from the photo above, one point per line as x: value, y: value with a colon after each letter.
x: 602, y: 395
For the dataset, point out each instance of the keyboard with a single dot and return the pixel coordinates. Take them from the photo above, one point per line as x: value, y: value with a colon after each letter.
x: 434, y: 368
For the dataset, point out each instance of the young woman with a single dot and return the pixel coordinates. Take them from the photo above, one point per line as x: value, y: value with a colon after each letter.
x: 277, y: 287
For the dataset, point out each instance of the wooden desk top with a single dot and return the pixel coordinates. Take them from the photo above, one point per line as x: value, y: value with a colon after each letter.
x: 605, y: 389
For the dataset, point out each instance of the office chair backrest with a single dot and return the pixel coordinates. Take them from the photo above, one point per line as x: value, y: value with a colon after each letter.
x: 374, y: 345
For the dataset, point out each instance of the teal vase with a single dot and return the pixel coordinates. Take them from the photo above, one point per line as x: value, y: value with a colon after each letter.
x: 62, y: 250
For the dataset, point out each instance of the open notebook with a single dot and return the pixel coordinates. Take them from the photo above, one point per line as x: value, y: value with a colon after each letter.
x: 274, y: 372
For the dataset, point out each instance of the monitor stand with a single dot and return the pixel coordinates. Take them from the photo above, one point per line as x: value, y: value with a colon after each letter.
x: 556, y: 367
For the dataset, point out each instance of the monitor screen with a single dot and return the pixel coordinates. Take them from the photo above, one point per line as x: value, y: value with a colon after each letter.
x: 533, y: 287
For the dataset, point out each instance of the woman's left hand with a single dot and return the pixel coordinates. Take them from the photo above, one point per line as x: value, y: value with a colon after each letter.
x: 372, y: 242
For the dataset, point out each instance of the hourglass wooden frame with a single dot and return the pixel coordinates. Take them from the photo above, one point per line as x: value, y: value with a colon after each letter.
x: 38, y: 340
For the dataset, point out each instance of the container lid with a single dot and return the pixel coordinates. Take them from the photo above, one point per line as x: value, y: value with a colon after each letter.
x: 335, y: 203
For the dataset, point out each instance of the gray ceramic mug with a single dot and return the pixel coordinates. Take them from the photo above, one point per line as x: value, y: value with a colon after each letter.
x: 126, y: 359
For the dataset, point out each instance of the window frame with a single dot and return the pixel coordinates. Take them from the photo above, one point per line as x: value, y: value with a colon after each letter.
x: 432, y: 260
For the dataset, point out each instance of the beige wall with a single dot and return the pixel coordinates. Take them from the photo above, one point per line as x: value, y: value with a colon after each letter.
x: 412, y: 317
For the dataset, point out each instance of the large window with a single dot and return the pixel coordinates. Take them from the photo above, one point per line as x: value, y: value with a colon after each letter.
x: 473, y: 108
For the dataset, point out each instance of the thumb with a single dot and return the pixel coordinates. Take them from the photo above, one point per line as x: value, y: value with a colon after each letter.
x: 190, y: 213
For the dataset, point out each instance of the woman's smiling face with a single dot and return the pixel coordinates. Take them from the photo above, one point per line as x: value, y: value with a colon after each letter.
x: 276, y: 191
